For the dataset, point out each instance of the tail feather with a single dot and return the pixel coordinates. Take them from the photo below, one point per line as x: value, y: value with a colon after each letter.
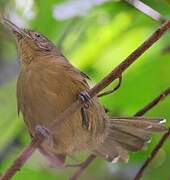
x: 150, y: 125
x: 128, y: 134
x: 112, y: 151
x: 131, y: 141
x: 136, y: 132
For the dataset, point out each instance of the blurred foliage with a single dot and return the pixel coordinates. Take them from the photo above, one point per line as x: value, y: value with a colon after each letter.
x: 95, y: 43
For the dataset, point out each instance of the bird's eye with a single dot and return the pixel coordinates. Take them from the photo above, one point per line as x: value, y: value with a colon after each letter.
x: 37, y: 35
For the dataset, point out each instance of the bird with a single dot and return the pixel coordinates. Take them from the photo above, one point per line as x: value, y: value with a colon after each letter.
x: 48, y: 84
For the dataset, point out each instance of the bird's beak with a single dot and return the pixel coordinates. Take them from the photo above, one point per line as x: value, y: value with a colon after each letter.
x: 18, y: 32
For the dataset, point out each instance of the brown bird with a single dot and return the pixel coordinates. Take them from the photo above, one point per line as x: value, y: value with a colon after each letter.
x: 48, y: 84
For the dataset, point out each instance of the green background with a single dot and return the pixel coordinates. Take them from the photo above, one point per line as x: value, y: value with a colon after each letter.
x: 95, y: 42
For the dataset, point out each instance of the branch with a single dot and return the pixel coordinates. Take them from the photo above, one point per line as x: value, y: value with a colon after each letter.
x: 152, y: 155
x: 152, y: 13
x: 154, y: 102
x: 84, y: 165
x: 117, y: 72
x: 22, y: 158
x: 155, y: 151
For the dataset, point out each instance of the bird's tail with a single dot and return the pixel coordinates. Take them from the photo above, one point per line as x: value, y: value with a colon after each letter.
x: 128, y: 134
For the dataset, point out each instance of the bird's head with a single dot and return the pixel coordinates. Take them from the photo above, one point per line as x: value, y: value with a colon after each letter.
x: 30, y: 43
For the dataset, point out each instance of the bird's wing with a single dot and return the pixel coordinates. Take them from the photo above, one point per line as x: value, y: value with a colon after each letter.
x: 76, y: 70
x: 84, y: 75
x: 19, y: 94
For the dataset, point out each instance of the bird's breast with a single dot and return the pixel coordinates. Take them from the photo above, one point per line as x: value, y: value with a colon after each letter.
x: 45, y: 92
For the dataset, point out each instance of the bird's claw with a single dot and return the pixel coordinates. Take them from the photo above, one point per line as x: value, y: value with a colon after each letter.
x: 42, y: 130
x: 85, y: 118
x: 85, y: 97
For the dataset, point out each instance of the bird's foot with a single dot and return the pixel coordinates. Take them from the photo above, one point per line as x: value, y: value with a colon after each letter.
x: 85, y: 118
x: 42, y: 130
x: 85, y: 97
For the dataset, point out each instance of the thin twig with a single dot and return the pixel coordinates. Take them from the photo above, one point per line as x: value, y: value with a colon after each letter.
x: 155, y: 151
x: 141, y: 6
x: 117, y: 72
x: 112, y: 90
x: 83, y: 166
x: 154, y: 102
x: 152, y: 155
x: 22, y: 158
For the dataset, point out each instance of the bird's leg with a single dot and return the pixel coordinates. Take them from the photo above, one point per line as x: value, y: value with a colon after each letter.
x: 85, y: 118
x: 85, y: 97
x: 43, y: 131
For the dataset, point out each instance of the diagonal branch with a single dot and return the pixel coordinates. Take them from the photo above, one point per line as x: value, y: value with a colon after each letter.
x: 84, y: 165
x: 152, y: 155
x: 152, y: 13
x: 117, y: 72
x: 155, y: 151
x: 22, y: 158
x: 149, y: 106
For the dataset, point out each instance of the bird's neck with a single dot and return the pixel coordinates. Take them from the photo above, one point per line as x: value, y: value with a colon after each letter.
x: 28, y: 57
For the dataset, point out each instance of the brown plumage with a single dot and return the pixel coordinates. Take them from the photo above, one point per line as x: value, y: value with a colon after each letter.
x: 48, y: 84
